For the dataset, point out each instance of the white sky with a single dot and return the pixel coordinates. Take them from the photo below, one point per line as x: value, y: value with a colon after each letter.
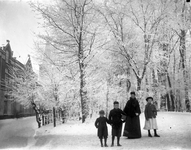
x: 18, y: 24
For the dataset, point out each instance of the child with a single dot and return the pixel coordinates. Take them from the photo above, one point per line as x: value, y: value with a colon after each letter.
x: 101, y: 125
x: 115, y: 117
x: 150, y: 117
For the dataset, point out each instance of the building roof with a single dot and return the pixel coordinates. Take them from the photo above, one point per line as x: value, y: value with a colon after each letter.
x: 14, y: 61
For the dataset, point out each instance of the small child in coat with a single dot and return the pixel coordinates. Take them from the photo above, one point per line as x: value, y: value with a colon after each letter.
x: 150, y: 117
x: 101, y: 125
x: 115, y: 118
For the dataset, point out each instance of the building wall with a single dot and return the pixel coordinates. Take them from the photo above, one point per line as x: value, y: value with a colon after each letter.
x: 9, y: 108
x: 1, y: 103
x: 2, y: 71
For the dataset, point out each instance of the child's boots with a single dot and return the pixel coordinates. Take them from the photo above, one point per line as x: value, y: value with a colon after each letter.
x: 156, y: 135
x: 149, y: 134
x: 118, y: 138
x: 105, y: 141
x: 101, y: 141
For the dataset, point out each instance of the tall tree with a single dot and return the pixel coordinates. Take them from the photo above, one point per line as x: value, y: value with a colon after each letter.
x: 22, y: 86
x: 71, y: 27
x: 181, y: 24
x: 57, y: 80
x: 134, y: 26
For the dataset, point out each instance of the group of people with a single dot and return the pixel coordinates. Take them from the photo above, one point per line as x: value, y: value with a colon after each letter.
x: 130, y: 115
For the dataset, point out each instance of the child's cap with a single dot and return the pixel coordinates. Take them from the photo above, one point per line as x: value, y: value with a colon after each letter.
x: 132, y: 93
x: 116, y: 102
x: 149, y: 98
x: 101, y: 112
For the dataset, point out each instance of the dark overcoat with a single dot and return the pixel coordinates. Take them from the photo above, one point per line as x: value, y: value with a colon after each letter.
x: 115, y: 119
x: 132, y: 125
x: 101, y: 125
x: 150, y: 111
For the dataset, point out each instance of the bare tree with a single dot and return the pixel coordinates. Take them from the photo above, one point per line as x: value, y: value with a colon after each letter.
x: 71, y: 27
x: 134, y: 25
x: 57, y: 81
x: 22, y: 86
x: 181, y: 24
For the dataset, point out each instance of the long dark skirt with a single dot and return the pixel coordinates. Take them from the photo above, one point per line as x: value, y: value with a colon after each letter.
x: 132, y: 127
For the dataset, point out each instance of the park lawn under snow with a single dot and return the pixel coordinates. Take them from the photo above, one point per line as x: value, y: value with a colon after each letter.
x: 174, y: 129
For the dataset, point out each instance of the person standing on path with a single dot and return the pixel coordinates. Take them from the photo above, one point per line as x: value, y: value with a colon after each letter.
x: 132, y: 127
x: 150, y: 117
x: 115, y: 118
x: 101, y: 125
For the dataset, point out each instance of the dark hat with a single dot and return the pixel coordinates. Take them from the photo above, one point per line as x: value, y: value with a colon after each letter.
x: 116, y: 102
x: 101, y: 112
x: 149, y: 98
x: 132, y: 92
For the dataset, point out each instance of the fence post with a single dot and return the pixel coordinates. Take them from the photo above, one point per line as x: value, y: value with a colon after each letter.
x: 54, y: 117
x: 43, y: 119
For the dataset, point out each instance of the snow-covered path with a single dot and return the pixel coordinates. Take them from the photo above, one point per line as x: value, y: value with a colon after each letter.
x: 174, y: 129
x: 17, y: 133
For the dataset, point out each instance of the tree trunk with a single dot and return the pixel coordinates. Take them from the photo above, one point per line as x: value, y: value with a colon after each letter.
x: 171, y: 100
x: 154, y: 86
x: 83, y: 91
x: 182, y: 50
x: 107, y: 98
x: 38, y: 120
x: 54, y: 117
x: 128, y: 86
x: 147, y: 83
x: 167, y: 94
x: 187, y: 102
x: 174, y: 79
x: 139, y: 80
x: 37, y: 112
x: 43, y: 118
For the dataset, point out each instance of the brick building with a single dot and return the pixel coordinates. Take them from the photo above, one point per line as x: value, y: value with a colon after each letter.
x: 10, y: 108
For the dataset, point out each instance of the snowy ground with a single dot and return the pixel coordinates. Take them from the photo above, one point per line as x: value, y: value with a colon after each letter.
x: 17, y: 133
x: 174, y: 129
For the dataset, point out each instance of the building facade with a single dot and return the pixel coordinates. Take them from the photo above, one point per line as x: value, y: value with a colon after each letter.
x: 10, y: 108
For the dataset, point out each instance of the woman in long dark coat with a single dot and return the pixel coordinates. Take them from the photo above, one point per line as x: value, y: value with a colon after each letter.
x: 132, y: 126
